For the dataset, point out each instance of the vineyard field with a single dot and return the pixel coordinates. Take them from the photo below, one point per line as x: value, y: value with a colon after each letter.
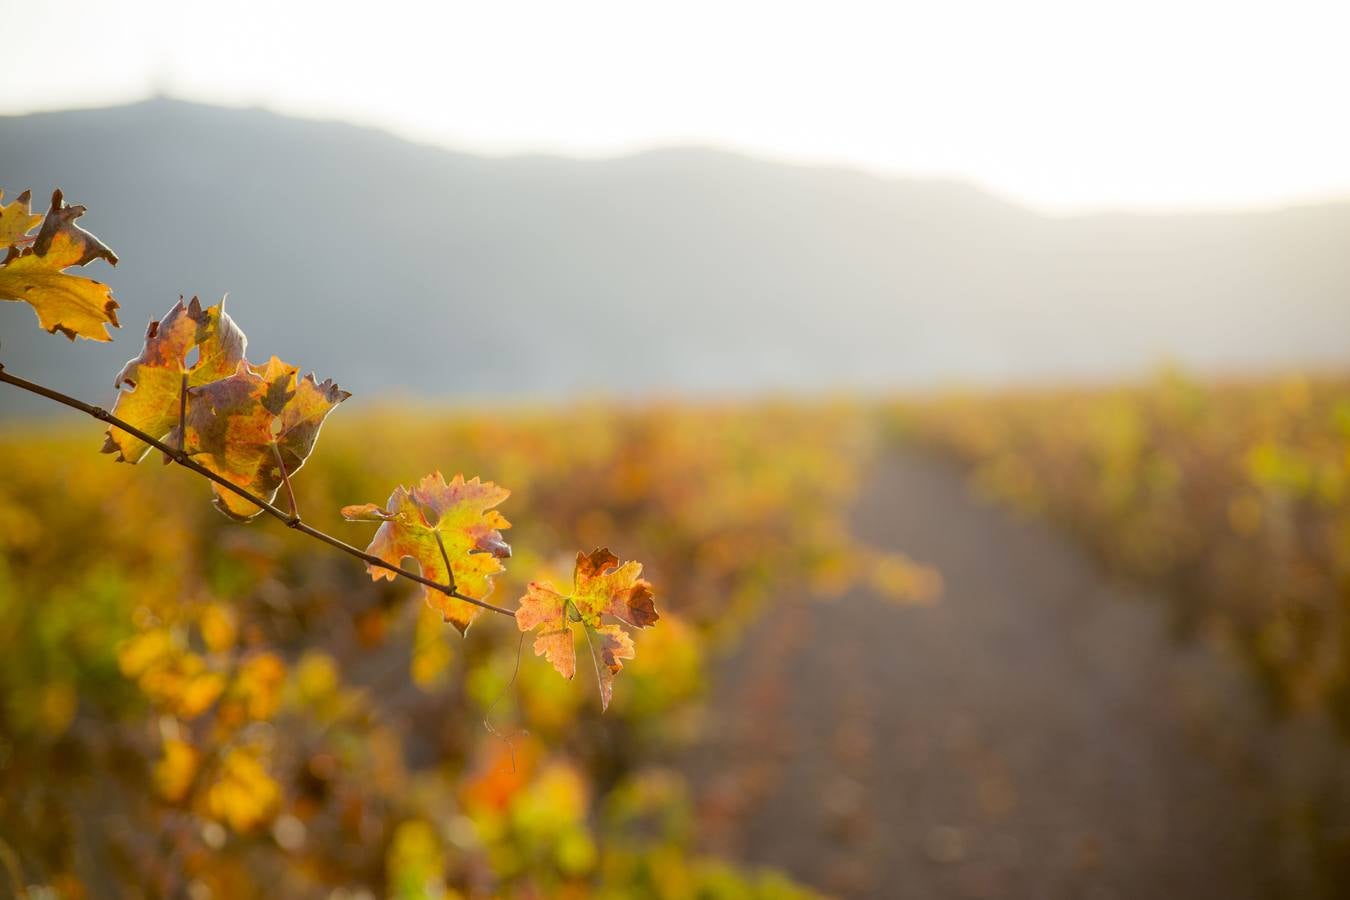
x: 253, y: 710
x: 237, y: 707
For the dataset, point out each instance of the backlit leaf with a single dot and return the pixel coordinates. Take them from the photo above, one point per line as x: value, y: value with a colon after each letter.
x: 16, y: 220
x: 600, y: 587
x: 151, y: 384
x: 238, y: 426
x: 603, y: 587
x: 462, y: 514
x: 614, y: 646
x: 544, y: 608
x: 74, y: 306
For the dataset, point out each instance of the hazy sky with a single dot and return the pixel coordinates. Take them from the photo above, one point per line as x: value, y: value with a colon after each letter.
x: 1065, y: 104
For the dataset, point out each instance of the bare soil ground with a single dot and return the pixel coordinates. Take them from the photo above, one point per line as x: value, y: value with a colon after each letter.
x: 1036, y: 733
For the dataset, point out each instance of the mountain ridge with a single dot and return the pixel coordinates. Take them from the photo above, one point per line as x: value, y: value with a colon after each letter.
x: 689, y: 270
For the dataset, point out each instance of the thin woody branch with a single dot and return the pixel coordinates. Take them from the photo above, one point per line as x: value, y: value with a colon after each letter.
x: 290, y: 519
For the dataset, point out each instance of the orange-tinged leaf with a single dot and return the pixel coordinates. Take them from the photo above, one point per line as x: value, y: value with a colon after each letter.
x: 151, y: 384
x: 461, y: 513
x: 238, y: 425
x: 601, y: 586
x: 544, y: 608
x: 365, y: 512
x: 16, y: 220
x: 614, y: 647
x: 74, y: 306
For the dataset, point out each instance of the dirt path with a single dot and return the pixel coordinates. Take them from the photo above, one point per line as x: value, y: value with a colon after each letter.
x: 1035, y: 734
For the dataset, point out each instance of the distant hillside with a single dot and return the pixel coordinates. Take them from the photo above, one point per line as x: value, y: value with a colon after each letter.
x: 392, y: 265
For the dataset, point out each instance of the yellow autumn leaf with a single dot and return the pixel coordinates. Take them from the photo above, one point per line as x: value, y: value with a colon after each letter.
x: 74, y: 306
x: 244, y: 427
x: 16, y: 220
x: 435, y: 521
x: 150, y: 387
x: 600, y: 587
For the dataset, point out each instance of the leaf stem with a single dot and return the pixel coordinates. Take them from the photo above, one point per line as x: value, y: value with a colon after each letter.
x: 595, y: 662
x: 182, y: 414
x: 449, y: 571
x: 290, y: 492
x: 180, y: 457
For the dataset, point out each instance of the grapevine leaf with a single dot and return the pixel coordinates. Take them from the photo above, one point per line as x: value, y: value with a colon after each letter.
x: 600, y: 587
x: 16, y: 220
x: 603, y: 587
x: 151, y: 384
x: 74, y: 306
x: 461, y: 513
x: 615, y: 646
x: 543, y: 606
x: 237, y: 427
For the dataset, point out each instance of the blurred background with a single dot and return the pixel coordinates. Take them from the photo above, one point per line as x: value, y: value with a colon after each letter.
x: 972, y: 379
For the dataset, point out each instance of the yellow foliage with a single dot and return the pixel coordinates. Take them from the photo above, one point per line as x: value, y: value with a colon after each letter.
x: 219, y: 627
x: 316, y: 677
x: 432, y: 652
x: 176, y: 770
x: 257, y: 687
x: 724, y: 506
x: 243, y: 795
x: 1234, y: 492
x: 145, y: 651
x: 415, y: 863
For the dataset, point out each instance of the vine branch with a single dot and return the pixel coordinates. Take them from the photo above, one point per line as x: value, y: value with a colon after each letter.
x: 292, y: 520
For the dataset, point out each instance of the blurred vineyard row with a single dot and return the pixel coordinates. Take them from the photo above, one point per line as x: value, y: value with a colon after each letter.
x: 1234, y: 496
x: 193, y: 707
x: 1232, y: 500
